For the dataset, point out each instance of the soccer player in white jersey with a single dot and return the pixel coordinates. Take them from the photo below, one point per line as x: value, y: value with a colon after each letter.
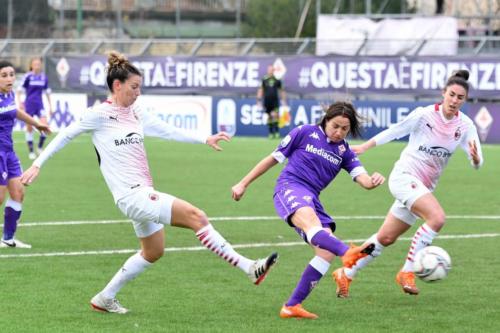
x: 435, y: 133
x: 118, y: 127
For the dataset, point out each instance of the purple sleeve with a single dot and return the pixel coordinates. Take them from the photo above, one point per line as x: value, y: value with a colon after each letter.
x: 46, y: 86
x: 288, y: 144
x: 25, y: 82
x: 350, y: 160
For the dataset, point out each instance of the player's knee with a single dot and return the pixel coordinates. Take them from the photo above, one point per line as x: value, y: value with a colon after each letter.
x: 437, y: 221
x: 386, y: 240
x: 153, y: 254
x: 17, y: 194
x: 198, y: 218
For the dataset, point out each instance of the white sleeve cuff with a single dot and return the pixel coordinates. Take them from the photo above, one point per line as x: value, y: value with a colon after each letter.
x: 278, y: 156
x: 357, y: 171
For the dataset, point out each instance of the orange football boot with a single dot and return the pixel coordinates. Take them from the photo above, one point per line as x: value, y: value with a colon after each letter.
x: 407, y: 282
x: 296, y: 311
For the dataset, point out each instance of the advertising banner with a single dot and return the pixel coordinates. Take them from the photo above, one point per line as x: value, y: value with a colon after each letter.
x: 417, y: 76
x: 487, y: 120
x: 243, y: 117
x: 66, y: 108
x: 191, y: 113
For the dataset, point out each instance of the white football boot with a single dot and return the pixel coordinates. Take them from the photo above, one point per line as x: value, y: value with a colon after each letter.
x: 260, y: 268
x: 103, y: 304
x: 14, y: 243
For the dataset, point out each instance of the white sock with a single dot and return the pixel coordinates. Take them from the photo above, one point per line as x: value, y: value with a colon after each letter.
x: 351, y: 272
x: 214, y: 241
x: 423, y: 237
x: 134, y: 266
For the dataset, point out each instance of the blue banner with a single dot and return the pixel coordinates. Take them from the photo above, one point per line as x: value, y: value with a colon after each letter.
x: 242, y: 117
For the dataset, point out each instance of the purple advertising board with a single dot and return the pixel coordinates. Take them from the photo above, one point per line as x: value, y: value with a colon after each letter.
x: 417, y: 76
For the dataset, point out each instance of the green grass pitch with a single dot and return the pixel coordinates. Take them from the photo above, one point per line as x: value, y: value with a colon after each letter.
x: 48, y: 288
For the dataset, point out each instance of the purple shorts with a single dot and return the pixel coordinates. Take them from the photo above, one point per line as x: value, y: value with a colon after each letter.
x: 35, y: 110
x: 10, y: 167
x: 288, y: 198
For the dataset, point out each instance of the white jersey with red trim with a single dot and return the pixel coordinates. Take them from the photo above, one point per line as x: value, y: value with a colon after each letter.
x: 433, y: 139
x: 118, y: 137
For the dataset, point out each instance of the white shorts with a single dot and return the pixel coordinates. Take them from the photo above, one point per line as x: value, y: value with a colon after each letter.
x: 148, y: 209
x: 406, y: 188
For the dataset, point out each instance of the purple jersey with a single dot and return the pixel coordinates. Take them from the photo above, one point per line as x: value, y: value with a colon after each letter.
x: 8, y: 112
x: 313, y: 159
x: 34, y: 85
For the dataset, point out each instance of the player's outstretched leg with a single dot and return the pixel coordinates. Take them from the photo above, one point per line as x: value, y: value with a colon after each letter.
x: 256, y: 270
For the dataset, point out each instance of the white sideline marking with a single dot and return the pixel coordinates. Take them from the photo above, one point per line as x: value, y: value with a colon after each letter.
x: 201, y: 248
x: 252, y: 218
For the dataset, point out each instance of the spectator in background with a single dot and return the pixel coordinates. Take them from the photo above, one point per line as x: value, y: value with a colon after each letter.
x: 268, y: 98
x: 10, y: 167
x: 35, y: 84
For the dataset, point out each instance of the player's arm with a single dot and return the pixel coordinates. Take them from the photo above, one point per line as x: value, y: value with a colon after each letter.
x: 47, y: 94
x: 21, y: 91
x: 22, y: 115
x: 260, y: 94
x: 472, y: 146
x: 396, y: 131
x: 282, y: 94
x: 258, y: 170
x: 88, y: 122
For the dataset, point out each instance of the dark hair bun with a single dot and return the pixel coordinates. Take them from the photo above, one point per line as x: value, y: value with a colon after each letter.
x: 462, y: 73
x: 116, y: 59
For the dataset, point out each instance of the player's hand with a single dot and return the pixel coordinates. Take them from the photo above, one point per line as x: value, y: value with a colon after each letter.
x: 237, y: 191
x: 213, y: 140
x: 377, y: 179
x: 474, y: 153
x: 358, y: 149
x: 45, y: 129
x: 30, y: 175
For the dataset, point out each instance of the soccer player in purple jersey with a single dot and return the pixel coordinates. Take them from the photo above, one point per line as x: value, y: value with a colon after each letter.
x: 118, y: 128
x: 35, y: 84
x: 316, y: 154
x: 10, y: 167
x: 436, y: 131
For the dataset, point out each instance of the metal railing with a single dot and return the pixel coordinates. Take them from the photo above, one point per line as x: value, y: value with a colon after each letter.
x: 467, y: 45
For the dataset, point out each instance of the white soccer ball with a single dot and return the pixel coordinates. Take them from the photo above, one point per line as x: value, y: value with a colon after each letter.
x: 432, y: 263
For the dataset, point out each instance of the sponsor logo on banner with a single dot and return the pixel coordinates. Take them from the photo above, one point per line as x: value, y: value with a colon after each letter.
x: 226, y: 116
x: 190, y: 113
x: 66, y: 108
x: 62, y: 70
x: 483, y: 120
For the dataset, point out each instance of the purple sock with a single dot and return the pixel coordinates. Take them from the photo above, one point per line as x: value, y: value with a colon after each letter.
x: 308, y: 281
x: 41, y: 142
x: 11, y: 216
x: 30, y: 146
x: 325, y: 241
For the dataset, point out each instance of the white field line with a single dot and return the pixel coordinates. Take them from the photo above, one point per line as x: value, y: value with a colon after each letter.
x: 251, y: 218
x: 201, y: 248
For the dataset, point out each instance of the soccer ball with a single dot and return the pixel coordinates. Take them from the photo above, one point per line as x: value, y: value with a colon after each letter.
x: 432, y: 263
